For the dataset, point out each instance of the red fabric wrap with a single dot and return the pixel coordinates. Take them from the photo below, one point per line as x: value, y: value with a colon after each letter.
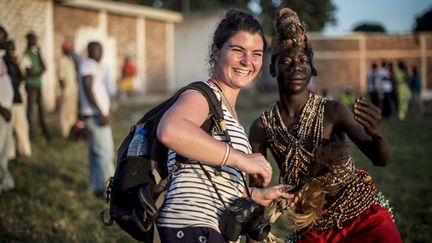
x: 373, y: 225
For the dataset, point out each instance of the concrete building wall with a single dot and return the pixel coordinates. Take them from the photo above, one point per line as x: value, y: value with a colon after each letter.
x: 193, y: 38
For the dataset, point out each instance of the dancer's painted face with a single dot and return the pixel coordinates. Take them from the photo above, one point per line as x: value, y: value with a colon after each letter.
x: 292, y: 70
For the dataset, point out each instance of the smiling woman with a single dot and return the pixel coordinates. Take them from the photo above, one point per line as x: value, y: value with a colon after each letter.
x: 213, y: 176
x: 239, y: 61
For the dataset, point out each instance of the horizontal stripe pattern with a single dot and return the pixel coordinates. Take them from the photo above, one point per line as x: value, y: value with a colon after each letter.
x: 191, y: 200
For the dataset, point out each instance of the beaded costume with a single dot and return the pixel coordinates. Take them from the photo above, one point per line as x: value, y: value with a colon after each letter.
x: 292, y: 145
x: 349, y: 191
x: 339, y: 202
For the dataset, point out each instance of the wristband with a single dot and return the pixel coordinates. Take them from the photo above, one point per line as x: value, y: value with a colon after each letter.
x: 227, y: 152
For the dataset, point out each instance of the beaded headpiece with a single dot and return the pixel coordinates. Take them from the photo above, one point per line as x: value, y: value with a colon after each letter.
x: 290, y: 33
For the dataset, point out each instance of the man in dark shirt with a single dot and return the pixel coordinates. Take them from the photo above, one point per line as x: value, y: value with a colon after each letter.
x: 33, y: 67
x: 19, y: 119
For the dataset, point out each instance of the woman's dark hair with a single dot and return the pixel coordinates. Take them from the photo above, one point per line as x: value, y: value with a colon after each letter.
x: 234, y: 22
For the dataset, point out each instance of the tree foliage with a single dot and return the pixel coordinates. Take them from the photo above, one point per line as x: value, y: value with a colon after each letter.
x: 369, y: 27
x: 315, y: 13
x: 424, y: 22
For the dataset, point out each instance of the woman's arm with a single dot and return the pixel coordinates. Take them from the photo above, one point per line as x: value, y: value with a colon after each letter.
x: 179, y: 129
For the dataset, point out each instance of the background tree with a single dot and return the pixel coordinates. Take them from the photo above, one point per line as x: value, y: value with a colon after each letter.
x: 424, y: 22
x: 315, y: 13
x: 369, y: 27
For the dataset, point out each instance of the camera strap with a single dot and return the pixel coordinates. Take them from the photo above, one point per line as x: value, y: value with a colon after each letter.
x: 218, y: 117
x: 214, y: 185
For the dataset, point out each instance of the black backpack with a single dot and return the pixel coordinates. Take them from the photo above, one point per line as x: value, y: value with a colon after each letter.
x: 138, y: 187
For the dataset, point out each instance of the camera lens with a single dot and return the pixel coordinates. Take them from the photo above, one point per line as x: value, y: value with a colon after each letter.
x: 257, y: 228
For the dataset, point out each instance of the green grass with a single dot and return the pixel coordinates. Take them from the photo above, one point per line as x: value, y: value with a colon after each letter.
x: 51, y: 202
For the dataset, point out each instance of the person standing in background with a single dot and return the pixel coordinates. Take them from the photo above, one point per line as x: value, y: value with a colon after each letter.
x: 387, y: 90
x: 94, y: 110
x: 402, y: 78
x: 348, y: 97
x: 34, y: 67
x: 415, y: 86
x: 127, y: 81
x: 374, y: 85
x: 394, y: 94
x: 6, y: 98
x: 69, y: 95
x: 19, y: 120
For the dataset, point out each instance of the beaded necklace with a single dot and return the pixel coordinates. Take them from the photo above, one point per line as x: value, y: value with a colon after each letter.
x: 232, y: 111
x: 292, y: 145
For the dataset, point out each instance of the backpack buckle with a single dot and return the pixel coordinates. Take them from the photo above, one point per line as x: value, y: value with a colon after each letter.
x: 110, y: 185
x: 106, y: 222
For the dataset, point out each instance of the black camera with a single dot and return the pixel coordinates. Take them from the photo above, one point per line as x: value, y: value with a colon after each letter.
x: 243, y: 218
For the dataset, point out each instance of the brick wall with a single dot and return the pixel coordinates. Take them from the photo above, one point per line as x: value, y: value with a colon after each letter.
x: 394, y: 42
x: 21, y: 16
x: 429, y: 44
x: 67, y: 21
x: 123, y: 29
x: 155, y: 39
x: 123, y: 34
x: 344, y: 61
x: 335, y: 75
x: 334, y: 45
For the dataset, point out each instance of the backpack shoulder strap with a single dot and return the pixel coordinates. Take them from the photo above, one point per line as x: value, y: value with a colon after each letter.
x: 212, y: 100
x: 214, y: 103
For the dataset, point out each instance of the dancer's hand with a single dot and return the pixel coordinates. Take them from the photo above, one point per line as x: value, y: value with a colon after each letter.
x: 369, y: 116
x: 267, y: 196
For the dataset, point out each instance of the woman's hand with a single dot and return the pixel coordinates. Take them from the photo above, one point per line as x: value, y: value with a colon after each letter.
x: 369, y: 116
x: 266, y: 196
x: 254, y: 164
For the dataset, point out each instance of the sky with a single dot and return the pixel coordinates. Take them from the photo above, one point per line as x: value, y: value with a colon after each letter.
x: 396, y: 16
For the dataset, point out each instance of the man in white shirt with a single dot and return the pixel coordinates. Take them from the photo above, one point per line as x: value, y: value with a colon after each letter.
x: 387, y: 90
x: 6, y: 99
x: 94, y: 110
x: 374, y: 85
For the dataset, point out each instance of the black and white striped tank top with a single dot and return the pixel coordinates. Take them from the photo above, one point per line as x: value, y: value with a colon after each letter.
x: 191, y: 200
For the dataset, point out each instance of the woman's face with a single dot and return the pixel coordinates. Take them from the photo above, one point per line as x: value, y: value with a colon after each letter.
x: 239, y: 60
x: 292, y: 70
